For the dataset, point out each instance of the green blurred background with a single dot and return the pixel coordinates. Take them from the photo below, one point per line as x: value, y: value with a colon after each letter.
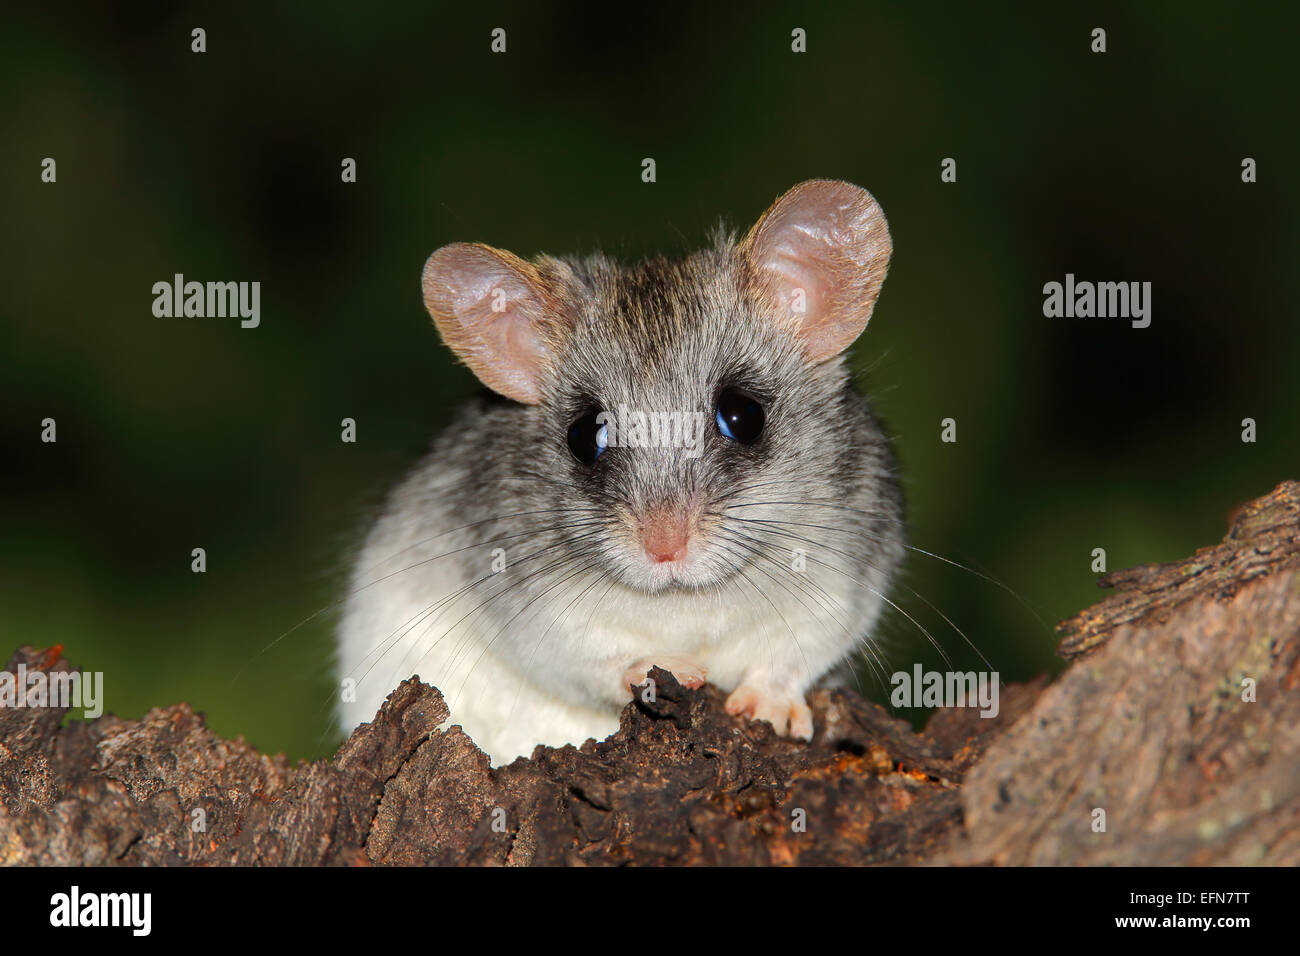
x: 183, y: 433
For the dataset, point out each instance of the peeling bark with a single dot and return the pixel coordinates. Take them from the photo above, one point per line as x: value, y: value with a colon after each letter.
x: 1148, y: 725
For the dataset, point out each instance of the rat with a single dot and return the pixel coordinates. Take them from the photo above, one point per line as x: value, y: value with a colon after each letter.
x: 545, y: 554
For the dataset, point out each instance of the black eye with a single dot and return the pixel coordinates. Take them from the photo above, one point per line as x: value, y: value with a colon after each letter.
x: 739, y: 417
x: 587, y: 438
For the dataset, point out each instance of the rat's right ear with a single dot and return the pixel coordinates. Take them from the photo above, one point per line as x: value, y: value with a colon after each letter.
x: 489, y: 305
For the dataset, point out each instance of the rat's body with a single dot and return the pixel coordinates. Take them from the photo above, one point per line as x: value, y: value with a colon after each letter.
x: 757, y: 559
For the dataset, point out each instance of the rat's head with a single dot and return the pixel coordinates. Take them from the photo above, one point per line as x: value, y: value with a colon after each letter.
x: 673, y: 397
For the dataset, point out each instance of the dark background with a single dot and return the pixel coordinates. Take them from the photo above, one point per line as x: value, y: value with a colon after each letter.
x: 187, y: 432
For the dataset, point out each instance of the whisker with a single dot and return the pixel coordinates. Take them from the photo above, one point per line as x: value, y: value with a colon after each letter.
x: 334, y: 604
x: 897, y: 583
x: 472, y: 584
x: 924, y: 630
x: 803, y: 583
x: 436, y: 608
x: 563, y: 560
x: 532, y: 654
x: 501, y: 630
x: 876, y: 516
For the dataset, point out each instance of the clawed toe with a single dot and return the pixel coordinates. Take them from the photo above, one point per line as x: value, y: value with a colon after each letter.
x: 688, y: 672
x: 789, y: 714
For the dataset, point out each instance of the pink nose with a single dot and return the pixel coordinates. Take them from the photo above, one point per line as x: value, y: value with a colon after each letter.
x: 666, y: 535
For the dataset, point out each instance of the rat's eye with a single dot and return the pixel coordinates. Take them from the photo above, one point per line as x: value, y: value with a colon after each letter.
x: 588, y: 438
x: 739, y: 417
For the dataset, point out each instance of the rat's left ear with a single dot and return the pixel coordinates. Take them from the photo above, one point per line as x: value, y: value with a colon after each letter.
x: 820, y: 254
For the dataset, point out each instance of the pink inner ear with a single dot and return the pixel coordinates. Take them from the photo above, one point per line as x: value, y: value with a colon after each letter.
x: 506, y: 348
x: 829, y: 239
x: 792, y: 268
x: 462, y: 283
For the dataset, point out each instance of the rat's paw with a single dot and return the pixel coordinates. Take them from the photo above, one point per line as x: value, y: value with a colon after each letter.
x: 789, y: 714
x: 688, y: 672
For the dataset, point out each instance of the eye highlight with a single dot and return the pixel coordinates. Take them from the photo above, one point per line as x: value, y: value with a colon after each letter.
x: 588, y: 438
x: 739, y: 416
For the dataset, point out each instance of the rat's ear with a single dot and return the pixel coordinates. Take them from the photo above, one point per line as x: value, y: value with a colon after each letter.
x: 489, y: 306
x: 820, y: 253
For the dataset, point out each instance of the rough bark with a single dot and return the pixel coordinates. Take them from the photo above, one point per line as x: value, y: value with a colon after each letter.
x: 1148, y: 725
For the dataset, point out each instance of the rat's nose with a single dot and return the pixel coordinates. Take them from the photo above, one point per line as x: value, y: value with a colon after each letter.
x: 666, y: 534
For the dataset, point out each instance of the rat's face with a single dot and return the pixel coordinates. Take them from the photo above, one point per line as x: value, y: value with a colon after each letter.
x: 675, y: 405
x: 676, y: 399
